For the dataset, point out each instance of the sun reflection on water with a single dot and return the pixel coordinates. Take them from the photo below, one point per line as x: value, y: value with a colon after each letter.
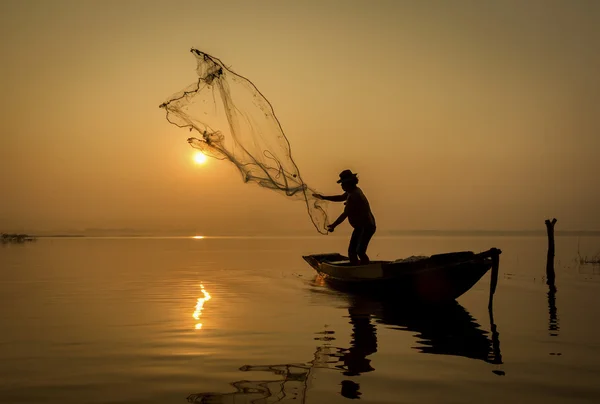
x: 200, y: 305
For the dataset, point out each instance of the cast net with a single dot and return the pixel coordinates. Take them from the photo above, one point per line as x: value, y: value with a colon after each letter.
x: 232, y: 120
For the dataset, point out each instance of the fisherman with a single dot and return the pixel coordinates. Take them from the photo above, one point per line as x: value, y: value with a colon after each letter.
x: 358, y: 212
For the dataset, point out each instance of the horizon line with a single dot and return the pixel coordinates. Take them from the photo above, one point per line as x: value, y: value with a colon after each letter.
x: 192, y: 234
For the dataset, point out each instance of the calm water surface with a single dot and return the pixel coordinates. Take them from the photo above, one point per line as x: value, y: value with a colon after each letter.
x: 243, y: 320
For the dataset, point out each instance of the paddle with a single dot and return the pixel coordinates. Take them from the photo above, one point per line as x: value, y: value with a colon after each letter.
x: 494, y: 280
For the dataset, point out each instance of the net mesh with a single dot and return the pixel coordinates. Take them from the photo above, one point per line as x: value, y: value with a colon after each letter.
x: 233, y: 121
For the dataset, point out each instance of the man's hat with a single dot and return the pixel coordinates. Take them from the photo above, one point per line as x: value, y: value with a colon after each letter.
x: 346, y: 176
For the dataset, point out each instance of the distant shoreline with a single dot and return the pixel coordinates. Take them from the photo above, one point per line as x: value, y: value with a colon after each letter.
x: 497, y: 232
x: 391, y: 233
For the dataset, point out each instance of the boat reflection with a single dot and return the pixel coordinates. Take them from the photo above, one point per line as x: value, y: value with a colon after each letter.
x: 448, y: 330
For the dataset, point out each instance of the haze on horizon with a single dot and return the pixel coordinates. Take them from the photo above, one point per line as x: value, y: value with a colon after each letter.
x: 456, y: 115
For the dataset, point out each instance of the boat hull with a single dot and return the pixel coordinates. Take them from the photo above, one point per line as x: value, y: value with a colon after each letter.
x: 436, y: 279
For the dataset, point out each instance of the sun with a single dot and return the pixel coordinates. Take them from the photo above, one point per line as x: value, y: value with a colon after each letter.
x: 200, y: 158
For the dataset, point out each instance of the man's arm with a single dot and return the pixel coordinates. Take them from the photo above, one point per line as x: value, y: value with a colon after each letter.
x: 338, y: 221
x: 333, y: 198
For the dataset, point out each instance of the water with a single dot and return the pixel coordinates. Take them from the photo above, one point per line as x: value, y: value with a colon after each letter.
x: 125, y: 320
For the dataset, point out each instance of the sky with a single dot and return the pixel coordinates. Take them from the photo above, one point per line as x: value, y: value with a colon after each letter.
x: 456, y: 115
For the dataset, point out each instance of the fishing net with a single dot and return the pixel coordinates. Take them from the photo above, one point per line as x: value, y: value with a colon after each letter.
x: 233, y: 121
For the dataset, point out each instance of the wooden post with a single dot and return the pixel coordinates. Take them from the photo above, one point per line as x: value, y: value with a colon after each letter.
x: 550, y: 258
x: 553, y: 326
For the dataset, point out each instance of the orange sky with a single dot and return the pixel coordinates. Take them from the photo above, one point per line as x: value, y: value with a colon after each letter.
x: 456, y: 115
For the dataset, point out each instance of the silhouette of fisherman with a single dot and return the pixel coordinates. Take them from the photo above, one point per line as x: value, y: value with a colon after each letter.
x: 358, y: 212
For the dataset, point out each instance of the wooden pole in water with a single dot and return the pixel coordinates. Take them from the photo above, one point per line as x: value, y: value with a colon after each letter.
x: 550, y: 258
x: 550, y: 280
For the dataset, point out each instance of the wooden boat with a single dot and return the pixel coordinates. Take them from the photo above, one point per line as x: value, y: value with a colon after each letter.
x: 436, y: 279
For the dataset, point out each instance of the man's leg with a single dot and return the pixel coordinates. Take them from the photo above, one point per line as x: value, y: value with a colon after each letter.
x: 353, y: 246
x: 363, y: 243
